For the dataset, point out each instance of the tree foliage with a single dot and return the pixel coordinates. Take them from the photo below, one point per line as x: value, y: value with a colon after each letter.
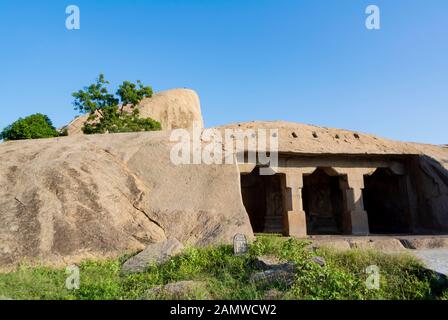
x: 106, y: 111
x: 131, y: 93
x: 35, y: 126
x: 114, y: 121
x: 94, y: 97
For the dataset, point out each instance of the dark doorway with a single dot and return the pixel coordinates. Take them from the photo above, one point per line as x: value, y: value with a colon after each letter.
x: 386, y: 203
x: 322, y: 202
x: 263, y: 200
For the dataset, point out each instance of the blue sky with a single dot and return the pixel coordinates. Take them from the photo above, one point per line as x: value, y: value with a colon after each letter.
x: 310, y: 61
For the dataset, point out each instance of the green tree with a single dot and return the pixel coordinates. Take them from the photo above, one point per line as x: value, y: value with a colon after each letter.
x: 106, y: 111
x: 130, y: 94
x: 35, y: 126
x: 94, y: 97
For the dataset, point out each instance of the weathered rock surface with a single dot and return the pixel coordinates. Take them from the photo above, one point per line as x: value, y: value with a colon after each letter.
x: 275, y: 270
x: 154, y: 254
x: 68, y: 199
x: 180, y: 290
x: 335, y: 244
x: 270, y: 262
x: 308, y: 139
x: 176, y: 108
x: 281, y: 275
x: 318, y: 260
x: 426, y: 243
x: 385, y: 245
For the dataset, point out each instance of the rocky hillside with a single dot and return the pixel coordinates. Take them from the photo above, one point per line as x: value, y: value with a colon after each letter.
x: 71, y: 198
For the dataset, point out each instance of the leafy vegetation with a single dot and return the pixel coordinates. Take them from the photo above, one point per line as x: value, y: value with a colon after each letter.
x: 113, y: 121
x: 107, y: 111
x: 227, y: 276
x: 35, y: 126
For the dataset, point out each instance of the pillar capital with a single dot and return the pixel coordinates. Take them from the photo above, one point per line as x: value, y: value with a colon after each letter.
x: 354, y: 177
x: 246, y: 168
x: 294, y: 181
x: 294, y: 176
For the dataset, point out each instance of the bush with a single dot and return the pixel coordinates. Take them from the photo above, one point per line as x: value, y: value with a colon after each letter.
x: 36, y: 126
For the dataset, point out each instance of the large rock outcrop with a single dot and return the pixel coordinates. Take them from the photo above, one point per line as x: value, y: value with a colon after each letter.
x: 98, y: 196
x: 176, y: 108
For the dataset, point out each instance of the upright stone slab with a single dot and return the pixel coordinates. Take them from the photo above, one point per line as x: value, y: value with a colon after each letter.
x: 240, y: 245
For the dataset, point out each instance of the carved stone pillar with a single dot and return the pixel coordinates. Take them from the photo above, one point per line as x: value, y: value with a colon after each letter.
x: 355, y: 219
x: 295, y: 218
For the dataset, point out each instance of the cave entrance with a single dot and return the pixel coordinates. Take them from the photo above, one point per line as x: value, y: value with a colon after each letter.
x: 263, y: 200
x: 322, y: 203
x: 386, y: 201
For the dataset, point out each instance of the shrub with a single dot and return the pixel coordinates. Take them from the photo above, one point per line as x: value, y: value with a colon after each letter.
x: 36, y: 126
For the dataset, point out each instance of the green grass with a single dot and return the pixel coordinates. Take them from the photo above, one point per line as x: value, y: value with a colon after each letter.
x: 227, y: 276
